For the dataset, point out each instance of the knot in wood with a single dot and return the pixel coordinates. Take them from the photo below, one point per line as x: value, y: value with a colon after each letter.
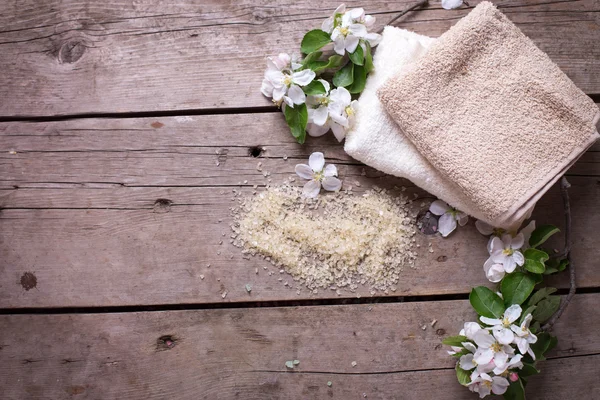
x: 71, y: 51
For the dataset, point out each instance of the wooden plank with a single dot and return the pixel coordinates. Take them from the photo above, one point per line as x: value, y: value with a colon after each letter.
x: 223, y: 354
x: 127, y: 56
x: 85, y: 219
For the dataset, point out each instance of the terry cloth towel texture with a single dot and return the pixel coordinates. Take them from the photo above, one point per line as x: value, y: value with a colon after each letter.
x: 493, y: 114
x: 377, y: 141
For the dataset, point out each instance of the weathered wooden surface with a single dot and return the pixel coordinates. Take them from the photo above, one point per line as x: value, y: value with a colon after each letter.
x: 225, y: 354
x: 81, y: 211
x: 70, y: 57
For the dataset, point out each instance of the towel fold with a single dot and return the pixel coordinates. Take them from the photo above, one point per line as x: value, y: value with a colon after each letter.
x: 376, y: 140
x: 493, y: 114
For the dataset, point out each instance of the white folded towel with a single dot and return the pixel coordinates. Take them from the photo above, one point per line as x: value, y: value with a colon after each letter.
x: 377, y: 141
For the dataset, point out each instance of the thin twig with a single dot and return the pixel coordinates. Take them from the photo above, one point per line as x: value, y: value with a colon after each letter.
x: 564, y: 189
x: 409, y: 9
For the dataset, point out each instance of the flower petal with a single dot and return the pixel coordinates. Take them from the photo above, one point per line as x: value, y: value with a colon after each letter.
x: 490, y: 321
x: 466, y: 362
x: 373, y: 38
x: 356, y: 13
x: 303, y: 77
x: 446, y: 224
x: 319, y: 115
x: 351, y: 43
x: 462, y: 218
x: 279, y: 92
x: 339, y: 45
x: 484, y: 228
x: 330, y: 170
x: 483, y: 356
x: 341, y: 97
x: 332, y: 183
x: 315, y: 130
x: 311, y: 189
x: 316, y: 161
x: 451, y: 4
x: 470, y: 329
x: 357, y: 31
x: 339, y: 131
x: 495, y: 273
x: 503, y: 335
x: 483, y: 339
x: 304, y: 171
x: 439, y: 207
x: 509, y: 264
x: 266, y: 88
x: 496, y: 246
x: 513, y: 313
x: 499, y: 385
x: 517, y: 242
x: 527, y: 231
x: 327, y: 25
x: 519, y: 258
x: 296, y: 94
x: 325, y: 85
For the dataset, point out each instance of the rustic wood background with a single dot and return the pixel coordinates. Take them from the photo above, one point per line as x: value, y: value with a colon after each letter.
x: 126, y: 126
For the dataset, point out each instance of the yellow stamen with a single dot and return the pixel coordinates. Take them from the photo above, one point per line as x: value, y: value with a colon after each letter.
x: 344, y: 31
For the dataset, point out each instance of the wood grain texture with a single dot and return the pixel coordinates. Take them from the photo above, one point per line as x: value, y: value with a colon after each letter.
x: 112, y: 212
x: 225, y: 354
x: 70, y: 57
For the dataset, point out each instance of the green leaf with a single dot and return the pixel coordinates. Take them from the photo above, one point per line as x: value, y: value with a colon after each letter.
x: 314, y: 40
x: 314, y: 88
x: 555, y: 265
x: 546, y: 308
x: 545, y: 342
x: 516, y: 288
x: 334, y: 61
x: 368, y: 59
x: 358, y: 57
x: 345, y: 76
x: 540, y: 295
x: 455, y: 340
x: 538, y: 278
x: 461, y: 353
x: 528, y: 310
x: 360, y: 79
x: 534, y: 260
x: 297, y: 118
x: 528, y: 370
x: 463, y: 376
x: 486, y: 302
x: 515, y: 391
x: 312, y: 57
x: 541, y: 234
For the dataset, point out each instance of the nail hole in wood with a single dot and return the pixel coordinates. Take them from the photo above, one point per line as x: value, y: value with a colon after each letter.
x: 166, y: 342
x: 255, y: 151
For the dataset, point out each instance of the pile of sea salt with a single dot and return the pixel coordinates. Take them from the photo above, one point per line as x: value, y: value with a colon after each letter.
x: 338, y: 240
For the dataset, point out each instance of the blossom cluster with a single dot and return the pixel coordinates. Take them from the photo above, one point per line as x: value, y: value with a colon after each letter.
x: 310, y: 103
x: 498, y: 353
x: 490, y: 358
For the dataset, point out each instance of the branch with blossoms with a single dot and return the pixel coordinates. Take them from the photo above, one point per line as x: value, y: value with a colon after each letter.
x: 500, y: 352
x: 317, y: 92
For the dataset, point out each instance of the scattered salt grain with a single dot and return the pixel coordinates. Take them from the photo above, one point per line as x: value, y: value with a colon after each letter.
x: 202, y: 277
x: 224, y: 294
x: 338, y: 240
x: 433, y: 323
x: 354, y: 364
x: 329, y: 383
x: 248, y: 287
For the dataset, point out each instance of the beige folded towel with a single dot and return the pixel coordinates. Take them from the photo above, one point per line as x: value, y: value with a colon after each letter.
x: 376, y: 140
x: 492, y: 113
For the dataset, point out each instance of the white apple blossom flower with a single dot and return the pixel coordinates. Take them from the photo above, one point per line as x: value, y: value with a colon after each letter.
x: 486, y: 230
x: 489, y: 349
x: 524, y: 337
x: 334, y: 20
x: 286, y: 85
x: 335, y: 111
x: 485, y: 384
x: 349, y: 28
x: 514, y: 362
x: 503, y: 328
x: 448, y: 217
x: 451, y: 4
x: 505, y: 251
x: 318, y: 175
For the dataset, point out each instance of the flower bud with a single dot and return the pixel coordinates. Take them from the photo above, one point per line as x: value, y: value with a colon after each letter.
x: 513, y: 377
